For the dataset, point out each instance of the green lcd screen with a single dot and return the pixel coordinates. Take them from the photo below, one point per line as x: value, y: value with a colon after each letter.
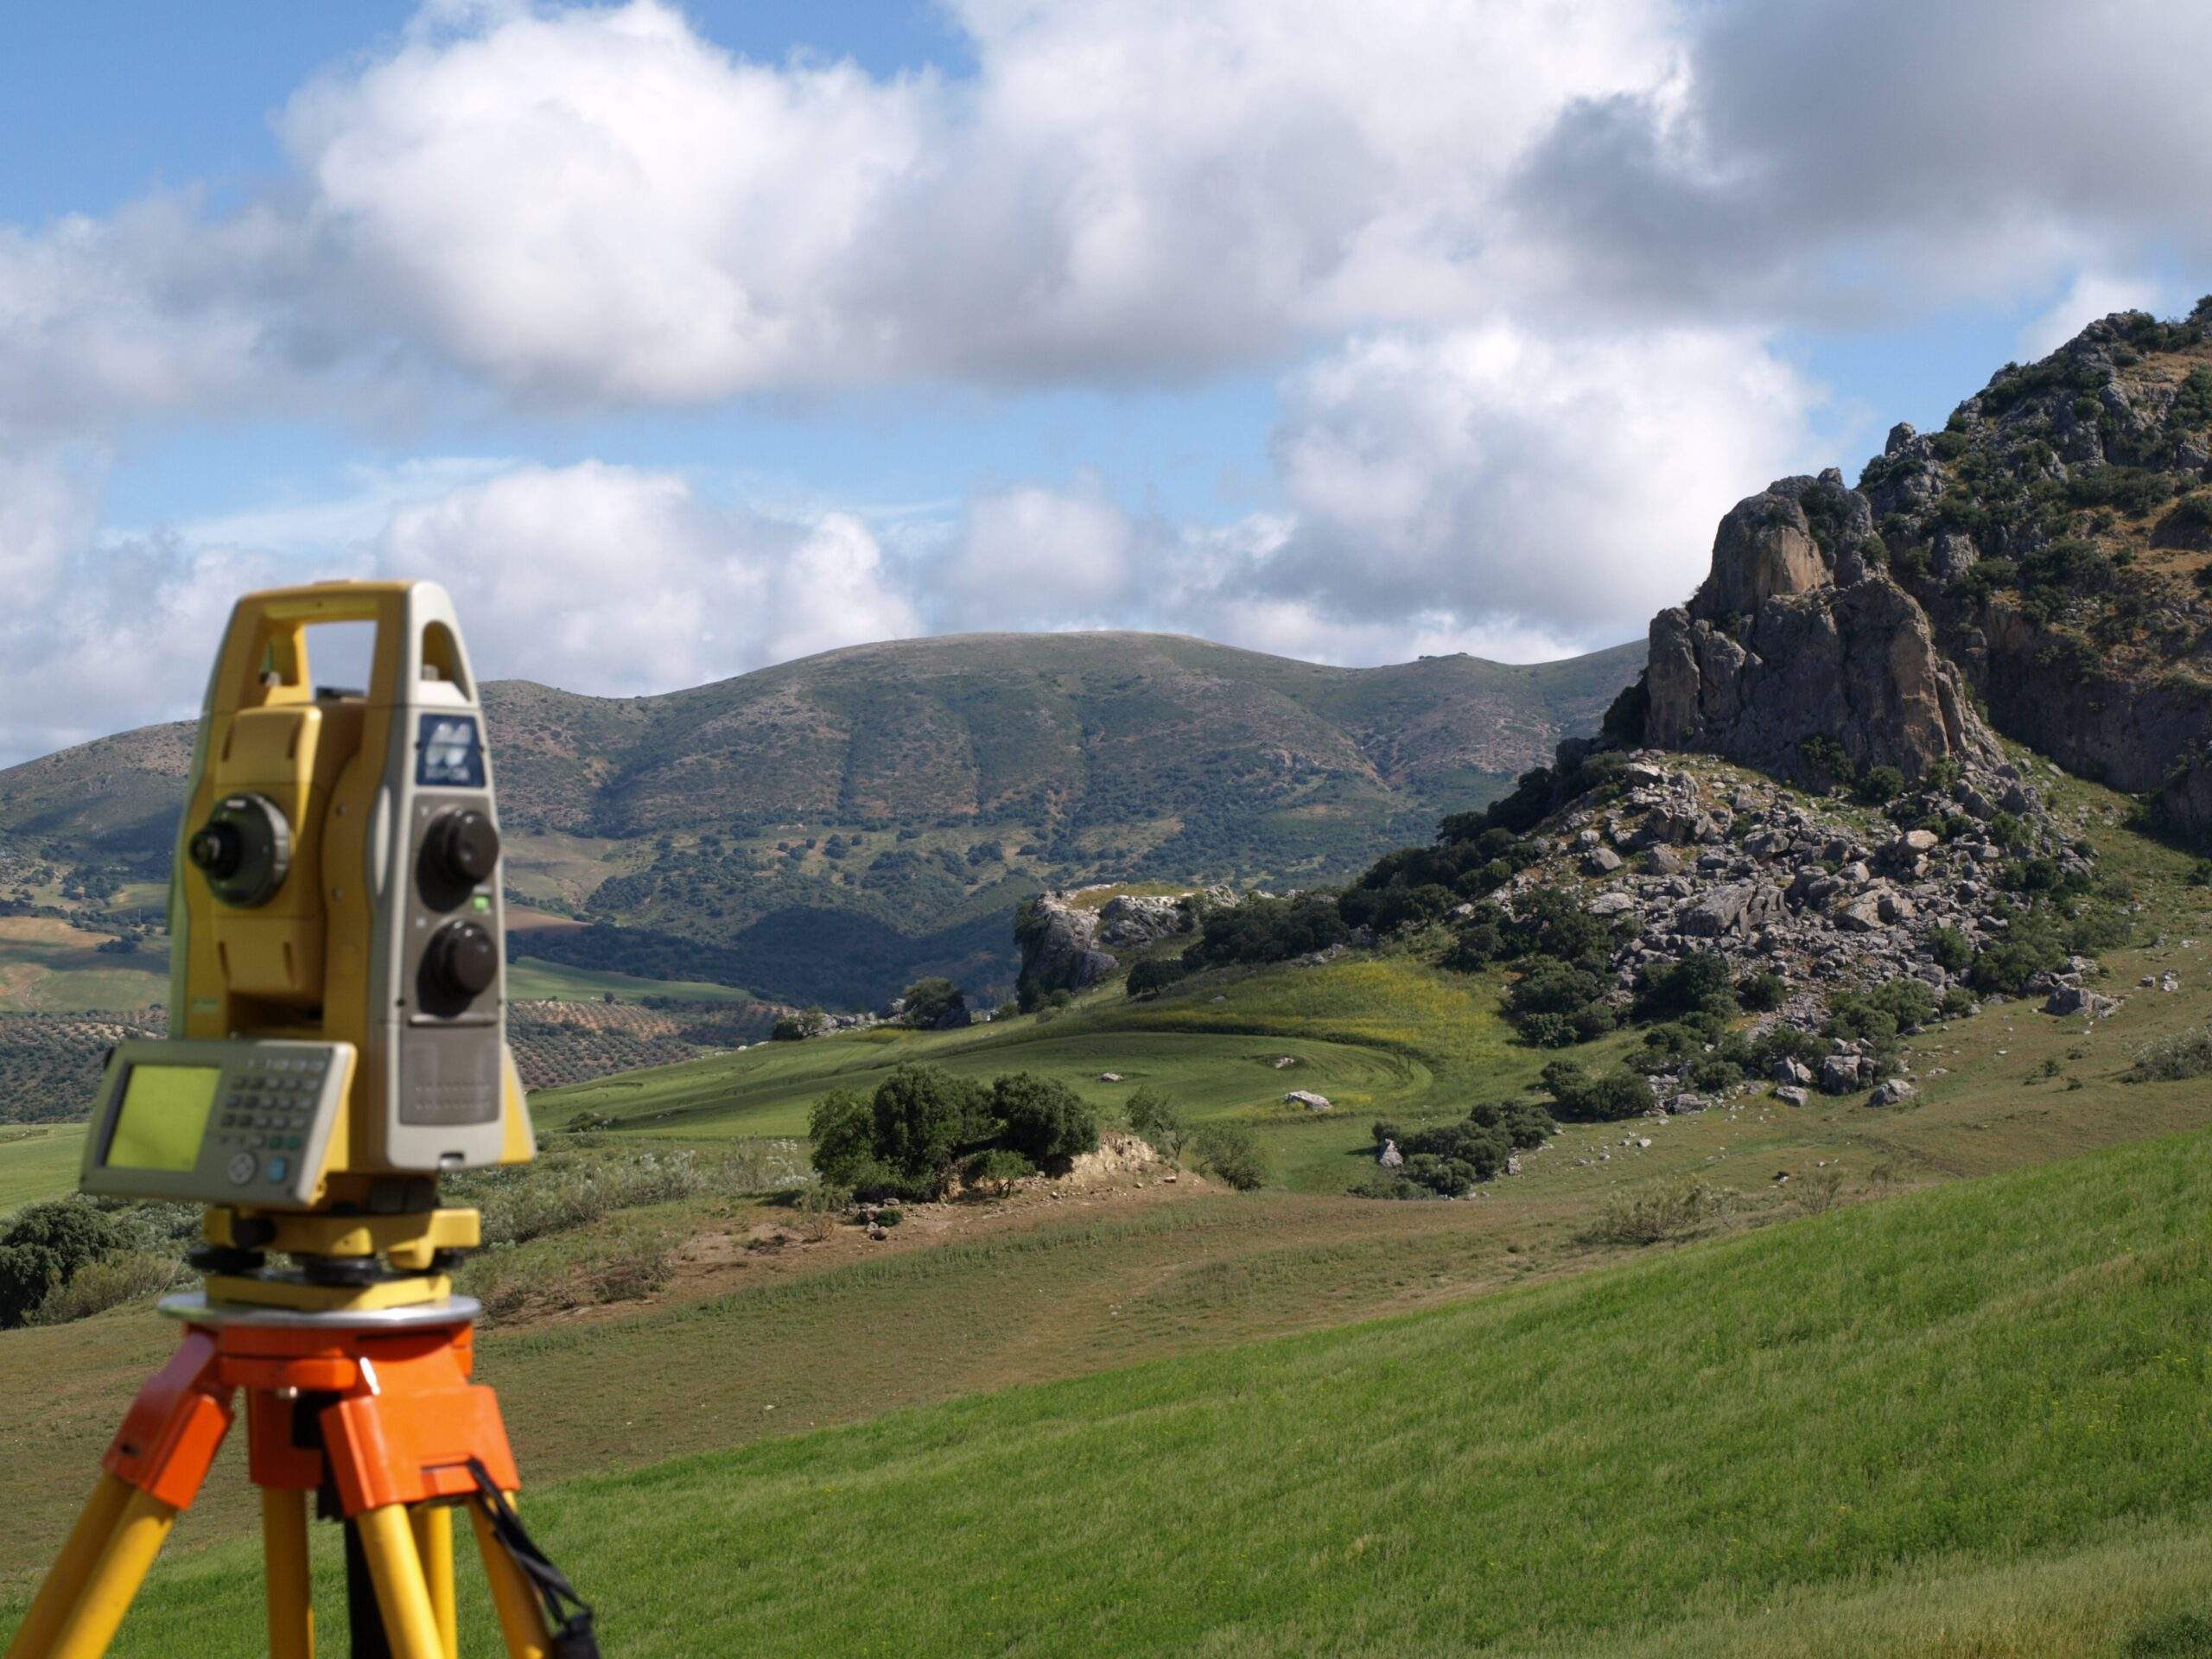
x: 164, y: 1113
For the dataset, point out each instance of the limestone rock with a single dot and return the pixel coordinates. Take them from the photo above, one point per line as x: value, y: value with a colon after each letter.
x: 1895, y: 1092
x: 1309, y: 1099
x: 1789, y: 639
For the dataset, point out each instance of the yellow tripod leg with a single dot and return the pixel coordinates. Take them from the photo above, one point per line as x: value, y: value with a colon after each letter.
x: 520, y: 1619
x: 139, y: 1532
x: 433, y: 1524
x: 284, y: 1564
x: 388, y: 1540
x: 64, y: 1583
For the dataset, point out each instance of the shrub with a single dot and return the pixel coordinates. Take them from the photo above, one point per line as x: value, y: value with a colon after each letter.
x: 796, y: 1027
x: 889, y: 1217
x: 1825, y: 761
x: 1879, y: 785
x: 2170, y: 1060
x: 1899, y: 1005
x: 1603, y: 1097
x: 1700, y: 980
x: 1556, y: 1005
x: 1041, y: 1119
x: 1761, y: 993
x: 2030, y: 945
x: 1267, y: 929
x: 44, y: 1246
x: 1155, y: 1120
x: 1154, y: 974
x: 934, y: 1001
x: 1396, y: 906
x: 110, y: 1281
x: 1229, y: 1154
x: 1475, y: 946
x: 1653, y: 1218
x: 994, y: 1172
x: 1953, y: 950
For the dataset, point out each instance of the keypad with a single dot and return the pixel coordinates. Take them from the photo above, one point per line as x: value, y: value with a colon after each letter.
x: 267, y: 1115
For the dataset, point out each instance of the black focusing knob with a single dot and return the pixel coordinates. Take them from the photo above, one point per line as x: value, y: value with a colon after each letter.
x: 459, y: 964
x: 463, y: 847
x: 244, y: 849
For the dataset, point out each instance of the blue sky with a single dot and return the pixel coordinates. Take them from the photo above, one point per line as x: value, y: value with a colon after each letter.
x: 680, y: 339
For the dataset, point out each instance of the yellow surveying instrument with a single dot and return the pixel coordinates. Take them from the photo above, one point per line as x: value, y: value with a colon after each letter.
x: 338, y: 1019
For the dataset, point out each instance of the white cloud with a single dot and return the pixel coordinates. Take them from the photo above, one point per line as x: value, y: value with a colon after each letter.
x: 1033, y: 557
x: 2090, y: 295
x: 609, y: 580
x: 98, y: 637
x: 1488, y: 490
x: 598, y: 206
x: 1495, y: 480
x: 617, y: 581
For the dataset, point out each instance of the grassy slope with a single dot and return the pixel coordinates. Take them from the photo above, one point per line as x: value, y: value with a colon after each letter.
x: 1679, y: 1451
x: 38, y: 1161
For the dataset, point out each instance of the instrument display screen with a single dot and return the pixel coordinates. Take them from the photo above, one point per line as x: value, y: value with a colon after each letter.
x: 163, y: 1116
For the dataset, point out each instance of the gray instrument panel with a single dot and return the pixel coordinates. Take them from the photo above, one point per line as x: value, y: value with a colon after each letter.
x: 267, y: 1122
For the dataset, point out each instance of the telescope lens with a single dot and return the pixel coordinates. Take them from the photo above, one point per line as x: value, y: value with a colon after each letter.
x: 244, y: 849
x: 217, y: 849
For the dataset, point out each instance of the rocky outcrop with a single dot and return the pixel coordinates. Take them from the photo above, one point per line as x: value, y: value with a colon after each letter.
x: 1059, y: 949
x: 1064, y: 943
x: 1794, y: 636
x: 2050, y: 533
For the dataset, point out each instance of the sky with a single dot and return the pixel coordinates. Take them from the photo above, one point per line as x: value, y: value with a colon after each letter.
x: 676, y: 341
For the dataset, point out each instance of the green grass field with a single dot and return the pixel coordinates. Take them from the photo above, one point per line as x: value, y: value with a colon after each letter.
x: 38, y: 1161
x: 1971, y: 1421
x: 534, y: 978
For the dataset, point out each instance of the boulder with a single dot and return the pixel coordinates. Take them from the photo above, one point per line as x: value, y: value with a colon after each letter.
x: 1794, y: 1073
x: 1615, y: 903
x: 2073, y: 999
x: 1732, y: 911
x: 1127, y: 921
x: 1840, y: 1074
x: 1602, y: 860
x: 1790, y: 1095
x: 1309, y: 1099
x: 1895, y: 1092
x: 1390, y: 1157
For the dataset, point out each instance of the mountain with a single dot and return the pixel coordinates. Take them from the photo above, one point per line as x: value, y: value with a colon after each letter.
x: 2053, y: 543
x: 828, y: 829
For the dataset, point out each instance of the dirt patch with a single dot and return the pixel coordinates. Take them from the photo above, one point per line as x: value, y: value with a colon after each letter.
x: 766, y: 1242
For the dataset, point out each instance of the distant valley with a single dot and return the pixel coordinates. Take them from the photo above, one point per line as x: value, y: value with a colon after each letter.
x: 826, y: 830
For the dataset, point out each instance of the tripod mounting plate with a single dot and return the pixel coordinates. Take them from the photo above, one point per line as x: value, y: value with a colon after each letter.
x: 193, y: 1307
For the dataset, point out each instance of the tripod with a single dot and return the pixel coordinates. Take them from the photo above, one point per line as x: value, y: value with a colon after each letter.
x: 372, y: 1411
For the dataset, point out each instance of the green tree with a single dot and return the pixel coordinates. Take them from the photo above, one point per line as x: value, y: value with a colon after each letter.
x: 922, y: 1116
x: 934, y: 1001
x: 43, y: 1245
x: 1042, y: 1119
x: 1155, y: 1120
x: 1229, y: 1154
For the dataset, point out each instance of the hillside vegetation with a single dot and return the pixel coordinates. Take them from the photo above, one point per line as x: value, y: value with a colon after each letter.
x: 830, y: 830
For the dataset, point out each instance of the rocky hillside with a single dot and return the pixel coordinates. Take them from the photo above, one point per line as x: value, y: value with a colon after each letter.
x: 827, y: 829
x: 2048, y: 555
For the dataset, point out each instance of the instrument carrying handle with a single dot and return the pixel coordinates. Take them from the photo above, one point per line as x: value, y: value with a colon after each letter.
x: 569, y: 1631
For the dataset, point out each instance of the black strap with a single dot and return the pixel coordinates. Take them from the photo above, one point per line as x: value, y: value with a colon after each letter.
x: 569, y: 1632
